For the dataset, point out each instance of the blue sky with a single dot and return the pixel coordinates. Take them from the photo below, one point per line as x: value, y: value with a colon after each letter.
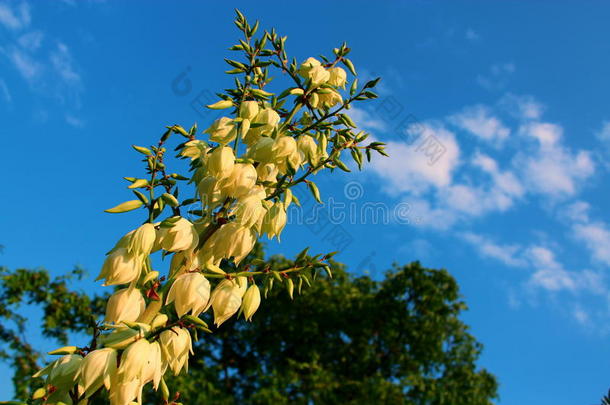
x: 512, y: 201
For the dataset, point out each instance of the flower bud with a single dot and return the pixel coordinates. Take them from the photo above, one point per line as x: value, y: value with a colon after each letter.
x: 181, y: 236
x: 120, y: 267
x: 142, y: 240
x: 248, y: 110
x: 226, y: 299
x: 125, y: 305
x: 190, y: 292
x: 223, y: 130
x: 274, y: 220
x: 251, y: 301
x: 338, y: 77
x: 176, y: 346
x: 221, y: 162
x: 99, y: 367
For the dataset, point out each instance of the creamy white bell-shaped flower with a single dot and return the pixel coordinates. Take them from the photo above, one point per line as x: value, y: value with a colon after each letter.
x: 183, y: 261
x: 134, y: 360
x: 231, y: 240
x: 251, y: 301
x: 248, y: 110
x: 190, y: 292
x: 181, y: 236
x: 120, y: 267
x: 210, y: 192
x: 142, y: 240
x: 262, y: 150
x: 153, y: 370
x: 124, y: 392
x: 338, y: 77
x: 328, y: 98
x: 266, y: 120
x: 226, y: 298
x: 223, y: 130
x: 308, y: 148
x: 274, y: 220
x: 250, y: 209
x: 221, y: 162
x: 98, y: 368
x: 176, y: 346
x: 240, y: 182
x: 62, y: 373
x: 195, y: 149
x: 126, y: 304
x: 267, y: 172
x: 306, y: 66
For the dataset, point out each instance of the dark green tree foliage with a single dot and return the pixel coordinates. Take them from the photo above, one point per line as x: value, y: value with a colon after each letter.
x: 63, y: 311
x: 348, y: 340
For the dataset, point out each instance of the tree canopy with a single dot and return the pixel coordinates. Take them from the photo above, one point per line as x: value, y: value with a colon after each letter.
x: 346, y: 339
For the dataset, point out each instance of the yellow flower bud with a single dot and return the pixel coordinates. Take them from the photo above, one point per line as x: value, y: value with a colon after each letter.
x: 176, y: 346
x: 221, y: 162
x: 190, y: 292
x: 120, y: 267
x: 142, y: 240
x: 125, y: 305
x: 248, y: 110
x: 251, y: 301
x: 99, y: 367
x: 181, y: 236
x: 338, y: 77
x: 221, y: 104
x: 223, y: 130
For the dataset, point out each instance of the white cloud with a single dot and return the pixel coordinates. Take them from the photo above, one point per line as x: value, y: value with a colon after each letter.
x: 507, y: 254
x: 479, y: 121
x: 5, y: 91
x: 409, y: 168
x: 63, y: 63
x: 524, y: 107
x: 365, y: 120
x: 596, y: 237
x: 498, y: 76
x: 31, y: 41
x: 27, y: 66
x: 551, y: 168
x: 15, y: 19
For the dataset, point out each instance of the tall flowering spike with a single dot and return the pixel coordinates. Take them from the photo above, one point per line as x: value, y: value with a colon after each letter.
x: 189, y: 293
x: 226, y: 299
x: 251, y: 301
x: 142, y: 240
x: 125, y: 305
x: 221, y: 162
x: 223, y: 130
x: 176, y: 345
x: 181, y: 236
x: 98, y: 368
x: 120, y: 267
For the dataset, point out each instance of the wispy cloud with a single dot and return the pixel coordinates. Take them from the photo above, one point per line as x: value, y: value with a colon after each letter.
x: 479, y: 121
x: 498, y: 76
x: 6, y: 94
x: 15, y: 18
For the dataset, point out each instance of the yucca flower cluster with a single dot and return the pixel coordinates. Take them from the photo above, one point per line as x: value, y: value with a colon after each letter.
x: 242, y: 172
